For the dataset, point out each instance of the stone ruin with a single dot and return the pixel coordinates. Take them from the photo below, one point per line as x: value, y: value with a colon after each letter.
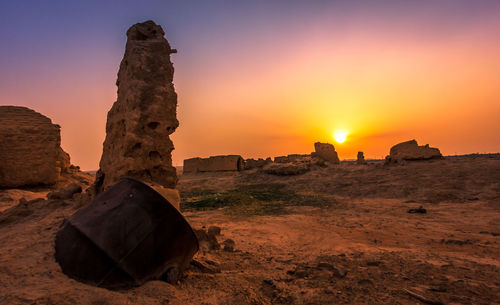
x: 292, y: 158
x: 361, y: 158
x: 140, y: 122
x: 214, y: 164
x: 411, y: 151
x: 30, y: 148
x: 257, y: 163
x: 292, y: 164
x: 325, y: 151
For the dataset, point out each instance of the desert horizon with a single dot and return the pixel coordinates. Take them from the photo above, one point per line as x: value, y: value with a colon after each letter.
x: 264, y: 80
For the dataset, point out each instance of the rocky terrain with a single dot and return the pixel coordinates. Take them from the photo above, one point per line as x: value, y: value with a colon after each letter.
x: 339, y: 234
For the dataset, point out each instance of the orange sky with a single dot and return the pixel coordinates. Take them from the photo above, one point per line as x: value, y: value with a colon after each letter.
x: 265, y: 90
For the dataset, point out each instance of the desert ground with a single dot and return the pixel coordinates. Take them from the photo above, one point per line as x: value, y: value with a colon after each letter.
x: 339, y: 234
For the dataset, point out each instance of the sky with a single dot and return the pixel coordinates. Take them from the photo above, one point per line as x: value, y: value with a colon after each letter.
x: 268, y: 78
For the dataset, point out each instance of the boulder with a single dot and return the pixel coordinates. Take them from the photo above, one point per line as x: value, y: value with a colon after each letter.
x: 214, y: 164
x: 140, y: 122
x: 361, y: 158
x: 228, y: 245
x: 411, y: 151
x: 325, y: 151
x: 30, y: 151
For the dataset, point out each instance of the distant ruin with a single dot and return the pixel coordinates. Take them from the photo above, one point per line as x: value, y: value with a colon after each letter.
x: 256, y: 163
x: 361, y: 158
x: 411, y: 151
x: 30, y: 148
x: 139, y: 123
x: 214, y: 164
x: 292, y: 164
x: 325, y: 151
x: 291, y: 158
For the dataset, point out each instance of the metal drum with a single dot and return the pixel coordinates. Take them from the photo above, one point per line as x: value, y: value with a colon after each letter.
x: 127, y: 235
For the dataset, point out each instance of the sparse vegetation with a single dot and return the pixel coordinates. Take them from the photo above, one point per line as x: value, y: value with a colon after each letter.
x: 251, y: 200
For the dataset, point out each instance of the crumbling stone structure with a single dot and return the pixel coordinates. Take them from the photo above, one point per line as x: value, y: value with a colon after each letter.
x: 214, y: 164
x: 140, y: 122
x: 253, y: 163
x: 30, y: 148
x: 292, y: 158
x: 361, y: 158
x: 325, y: 151
x: 411, y: 151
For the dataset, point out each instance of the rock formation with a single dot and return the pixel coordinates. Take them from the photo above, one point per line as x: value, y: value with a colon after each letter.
x: 214, y: 164
x: 30, y: 151
x: 411, y: 151
x: 325, y: 151
x: 361, y: 158
x: 139, y: 123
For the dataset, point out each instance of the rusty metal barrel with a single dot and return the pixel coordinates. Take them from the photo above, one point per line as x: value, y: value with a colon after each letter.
x: 127, y: 235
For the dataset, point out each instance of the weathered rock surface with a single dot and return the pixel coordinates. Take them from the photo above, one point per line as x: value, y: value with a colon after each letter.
x: 139, y: 123
x: 361, y: 158
x: 30, y: 151
x: 325, y: 151
x: 214, y: 164
x: 411, y: 151
x: 66, y: 193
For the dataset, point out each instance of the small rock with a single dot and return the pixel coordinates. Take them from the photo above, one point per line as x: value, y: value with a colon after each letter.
x: 419, y: 210
x: 229, y: 245
x: 213, y: 244
x: 323, y: 265
x: 170, y: 276
x: 339, y: 272
x: 213, y: 230
x: 204, y: 267
x: 65, y: 193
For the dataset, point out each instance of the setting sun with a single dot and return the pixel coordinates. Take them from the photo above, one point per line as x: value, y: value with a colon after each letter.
x: 340, y: 136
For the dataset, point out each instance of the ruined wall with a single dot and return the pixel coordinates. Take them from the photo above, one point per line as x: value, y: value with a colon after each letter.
x: 214, y: 164
x: 325, y: 151
x: 30, y: 151
x: 139, y: 123
x: 256, y: 163
x: 292, y: 158
x: 411, y: 151
x: 361, y: 158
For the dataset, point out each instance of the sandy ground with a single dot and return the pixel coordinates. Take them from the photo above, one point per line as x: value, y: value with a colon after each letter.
x: 363, y: 248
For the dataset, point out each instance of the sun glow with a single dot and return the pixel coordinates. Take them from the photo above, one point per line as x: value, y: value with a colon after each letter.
x: 340, y: 136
